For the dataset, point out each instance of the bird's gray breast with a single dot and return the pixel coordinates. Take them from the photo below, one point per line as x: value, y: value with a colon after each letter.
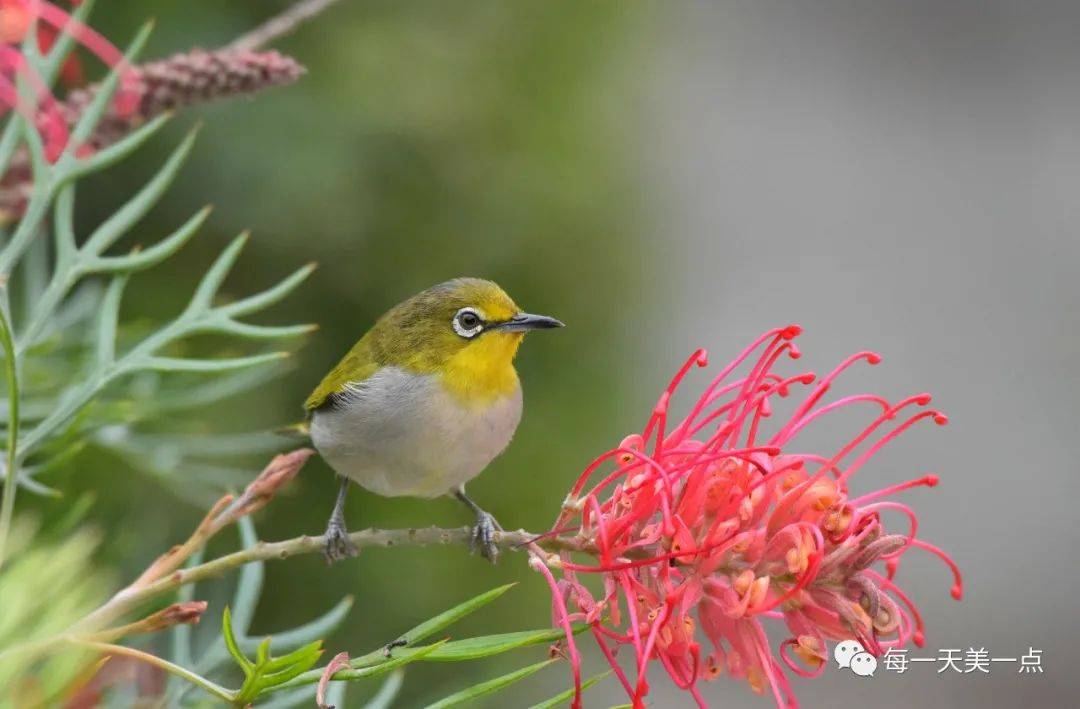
x: 401, y: 433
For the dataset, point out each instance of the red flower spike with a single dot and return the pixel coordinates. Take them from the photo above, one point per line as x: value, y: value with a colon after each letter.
x: 696, y: 519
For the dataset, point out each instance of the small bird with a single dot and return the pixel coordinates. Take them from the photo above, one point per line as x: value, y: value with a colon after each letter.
x: 424, y: 401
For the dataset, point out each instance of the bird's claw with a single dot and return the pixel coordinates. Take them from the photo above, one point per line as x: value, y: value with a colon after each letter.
x: 338, y: 545
x: 483, y: 537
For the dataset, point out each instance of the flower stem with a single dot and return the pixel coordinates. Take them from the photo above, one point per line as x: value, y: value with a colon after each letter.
x: 281, y: 25
x: 193, y: 677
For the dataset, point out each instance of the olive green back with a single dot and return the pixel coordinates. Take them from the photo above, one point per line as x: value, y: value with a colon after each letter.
x: 415, y: 334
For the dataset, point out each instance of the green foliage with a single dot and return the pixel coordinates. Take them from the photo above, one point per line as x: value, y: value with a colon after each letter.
x: 564, y: 698
x: 382, y: 661
x: 491, y: 686
x: 488, y: 645
x: 449, y: 617
x: 266, y: 671
x: 85, y: 374
x: 48, y: 583
x: 78, y: 373
x: 494, y: 158
x: 233, y: 640
x: 290, y: 679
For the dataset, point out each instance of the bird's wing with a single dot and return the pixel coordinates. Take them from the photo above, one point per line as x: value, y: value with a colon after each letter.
x: 356, y: 366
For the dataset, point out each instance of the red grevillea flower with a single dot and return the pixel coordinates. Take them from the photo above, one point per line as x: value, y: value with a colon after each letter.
x: 16, y: 18
x: 705, y: 529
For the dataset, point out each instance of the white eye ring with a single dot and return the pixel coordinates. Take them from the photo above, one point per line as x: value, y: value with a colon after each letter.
x: 468, y: 332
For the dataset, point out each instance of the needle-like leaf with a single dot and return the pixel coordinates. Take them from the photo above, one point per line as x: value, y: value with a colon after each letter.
x: 268, y: 297
x: 265, y: 332
x: 181, y: 364
x: 138, y: 260
x: 489, y: 687
x: 64, y: 225
x: 107, y: 157
x: 211, y: 282
x: 90, y: 118
x: 230, y: 643
x: 249, y: 587
x: 108, y: 322
x: 488, y: 645
x: 65, y: 41
x: 564, y: 698
x: 441, y: 621
x: 113, y: 228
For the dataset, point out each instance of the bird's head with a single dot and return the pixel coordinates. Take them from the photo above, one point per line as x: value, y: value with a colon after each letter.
x: 466, y: 329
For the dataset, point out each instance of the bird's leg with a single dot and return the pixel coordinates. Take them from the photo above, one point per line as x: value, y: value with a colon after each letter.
x: 338, y: 546
x: 483, y: 534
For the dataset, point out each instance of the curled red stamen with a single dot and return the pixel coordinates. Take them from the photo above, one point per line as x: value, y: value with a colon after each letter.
x: 957, y: 590
x: 692, y: 516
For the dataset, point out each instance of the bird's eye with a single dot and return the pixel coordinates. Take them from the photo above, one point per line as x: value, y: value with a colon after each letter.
x: 468, y: 322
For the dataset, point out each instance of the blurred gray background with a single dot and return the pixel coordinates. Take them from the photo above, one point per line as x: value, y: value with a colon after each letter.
x: 901, y: 176
x: 892, y: 175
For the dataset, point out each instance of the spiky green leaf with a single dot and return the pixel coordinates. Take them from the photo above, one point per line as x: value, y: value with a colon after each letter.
x: 386, y: 665
x: 90, y: 118
x: 488, y: 645
x: 65, y: 42
x: 105, y: 349
x: 230, y: 643
x: 441, y: 621
x: 308, y: 654
x: 262, y: 332
x: 64, y: 225
x: 259, y: 301
x: 139, y: 260
x: 123, y: 219
x: 182, y: 364
x: 489, y: 687
x: 118, y: 151
x: 215, y: 276
x: 249, y: 587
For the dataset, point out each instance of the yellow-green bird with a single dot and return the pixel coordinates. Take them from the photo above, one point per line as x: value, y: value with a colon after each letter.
x: 424, y: 401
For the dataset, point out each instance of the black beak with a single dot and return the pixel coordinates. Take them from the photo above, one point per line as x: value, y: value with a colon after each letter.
x: 523, y: 322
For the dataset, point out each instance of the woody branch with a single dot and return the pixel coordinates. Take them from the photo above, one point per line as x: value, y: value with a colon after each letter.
x: 165, y: 574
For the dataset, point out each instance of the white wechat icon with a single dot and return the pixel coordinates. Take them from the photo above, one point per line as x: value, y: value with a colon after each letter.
x: 864, y: 664
x: 844, y: 651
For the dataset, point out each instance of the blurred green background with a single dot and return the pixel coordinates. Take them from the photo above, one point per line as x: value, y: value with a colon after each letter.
x: 892, y: 175
x: 428, y: 140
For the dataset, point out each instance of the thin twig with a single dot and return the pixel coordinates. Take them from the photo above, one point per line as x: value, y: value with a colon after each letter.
x: 280, y: 25
x: 195, y: 678
x: 134, y: 596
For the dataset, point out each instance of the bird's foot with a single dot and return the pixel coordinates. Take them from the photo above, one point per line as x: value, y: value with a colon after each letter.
x: 338, y: 545
x: 483, y: 536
